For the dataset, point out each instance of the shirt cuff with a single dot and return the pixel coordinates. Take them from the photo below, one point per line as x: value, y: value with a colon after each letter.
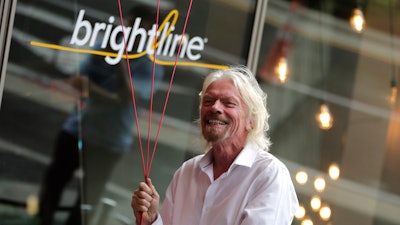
x: 158, y: 221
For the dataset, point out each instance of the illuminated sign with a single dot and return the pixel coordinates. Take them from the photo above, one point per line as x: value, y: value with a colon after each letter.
x: 167, y: 43
x: 86, y: 33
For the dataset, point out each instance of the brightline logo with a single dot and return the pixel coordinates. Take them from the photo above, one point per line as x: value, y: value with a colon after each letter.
x: 167, y: 43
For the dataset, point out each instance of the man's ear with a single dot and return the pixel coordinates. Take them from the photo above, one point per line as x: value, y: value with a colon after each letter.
x: 249, y: 125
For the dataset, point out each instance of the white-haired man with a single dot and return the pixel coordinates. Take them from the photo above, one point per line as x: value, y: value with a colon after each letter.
x: 236, y: 181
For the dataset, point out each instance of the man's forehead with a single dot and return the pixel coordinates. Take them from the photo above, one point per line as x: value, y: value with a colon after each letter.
x: 223, y: 90
x: 222, y: 86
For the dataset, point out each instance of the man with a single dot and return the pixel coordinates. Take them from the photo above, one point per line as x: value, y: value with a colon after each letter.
x: 236, y: 181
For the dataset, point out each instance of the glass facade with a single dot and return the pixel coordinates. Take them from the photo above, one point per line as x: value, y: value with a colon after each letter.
x: 354, y: 74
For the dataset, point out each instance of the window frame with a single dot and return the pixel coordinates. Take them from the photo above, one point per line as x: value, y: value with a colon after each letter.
x: 7, y: 20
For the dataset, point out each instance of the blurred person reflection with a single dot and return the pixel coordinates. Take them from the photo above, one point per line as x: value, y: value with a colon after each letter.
x: 108, y: 126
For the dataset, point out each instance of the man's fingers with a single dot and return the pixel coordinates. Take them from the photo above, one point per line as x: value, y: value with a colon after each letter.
x: 142, y: 196
x: 145, y: 200
x: 153, y: 189
x: 146, y: 188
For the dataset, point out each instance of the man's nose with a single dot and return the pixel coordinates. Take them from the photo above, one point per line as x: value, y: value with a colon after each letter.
x: 217, y: 106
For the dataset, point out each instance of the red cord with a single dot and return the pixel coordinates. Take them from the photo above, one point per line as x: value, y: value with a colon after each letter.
x: 131, y: 84
x: 146, y: 166
x: 147, y: 172
x: 170, y: 83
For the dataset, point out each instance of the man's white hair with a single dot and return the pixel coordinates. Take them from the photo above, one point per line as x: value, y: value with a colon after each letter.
x: 254, y: 98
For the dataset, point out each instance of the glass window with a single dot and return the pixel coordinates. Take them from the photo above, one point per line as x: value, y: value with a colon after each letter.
x: 68, y: 116
x: 353, y: 74
x: 68, y: 121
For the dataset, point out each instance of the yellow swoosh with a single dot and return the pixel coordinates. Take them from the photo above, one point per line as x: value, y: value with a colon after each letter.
x: 130, y: 56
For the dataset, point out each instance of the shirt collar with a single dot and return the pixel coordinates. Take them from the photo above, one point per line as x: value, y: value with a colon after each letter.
x: 205, y: 160
x: 245, y: 158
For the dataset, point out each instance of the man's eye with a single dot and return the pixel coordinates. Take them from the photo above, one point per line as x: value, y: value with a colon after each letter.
x: 207, y: 102
x: 230, y: 104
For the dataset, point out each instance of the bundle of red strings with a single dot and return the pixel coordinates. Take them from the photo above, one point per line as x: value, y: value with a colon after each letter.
x: 147, y: 159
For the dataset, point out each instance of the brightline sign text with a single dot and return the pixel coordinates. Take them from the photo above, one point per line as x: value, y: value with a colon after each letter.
x: 85, y: 33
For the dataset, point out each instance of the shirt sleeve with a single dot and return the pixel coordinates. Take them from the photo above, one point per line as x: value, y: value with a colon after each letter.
x: 274, y: 201
x: 167, y: 208
x: 158, y: 221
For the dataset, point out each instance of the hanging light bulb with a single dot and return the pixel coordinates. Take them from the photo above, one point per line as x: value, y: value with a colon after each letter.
x: 319, y: 184
x: 300, y: 212
x: 325, y: 212
x: 282, y: 69
x: 357, y: 20
x: 315, y: 203
x: 307, y: 221
x: 301, y: 177
x: 324, y: 117
x: 334, y: 171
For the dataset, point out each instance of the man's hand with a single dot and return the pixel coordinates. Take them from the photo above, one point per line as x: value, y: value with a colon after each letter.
x: 145, y: 201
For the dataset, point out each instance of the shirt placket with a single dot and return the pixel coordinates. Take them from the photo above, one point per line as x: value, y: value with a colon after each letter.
x: 209, y: 199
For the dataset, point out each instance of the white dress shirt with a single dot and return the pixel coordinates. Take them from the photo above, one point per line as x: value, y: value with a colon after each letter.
x: 256, y: 189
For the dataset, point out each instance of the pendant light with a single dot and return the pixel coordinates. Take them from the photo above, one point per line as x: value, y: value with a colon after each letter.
x: 276, y: 67
x: 324, y: 117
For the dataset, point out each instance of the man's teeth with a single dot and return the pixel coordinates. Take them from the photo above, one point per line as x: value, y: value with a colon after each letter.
x: 216, y: 122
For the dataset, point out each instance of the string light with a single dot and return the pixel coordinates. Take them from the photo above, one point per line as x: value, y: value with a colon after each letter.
x: 319, y: 184
x: 324, y: 117
x: 325, y: 213
x: 300, y: 212
x: 315, y: 203
x: 307, y: 221
x: 357, y: 20
x: 301, y: 177
x: 334, y: 171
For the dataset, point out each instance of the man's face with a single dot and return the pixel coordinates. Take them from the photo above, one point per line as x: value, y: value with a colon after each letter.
x: 223, y: 113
